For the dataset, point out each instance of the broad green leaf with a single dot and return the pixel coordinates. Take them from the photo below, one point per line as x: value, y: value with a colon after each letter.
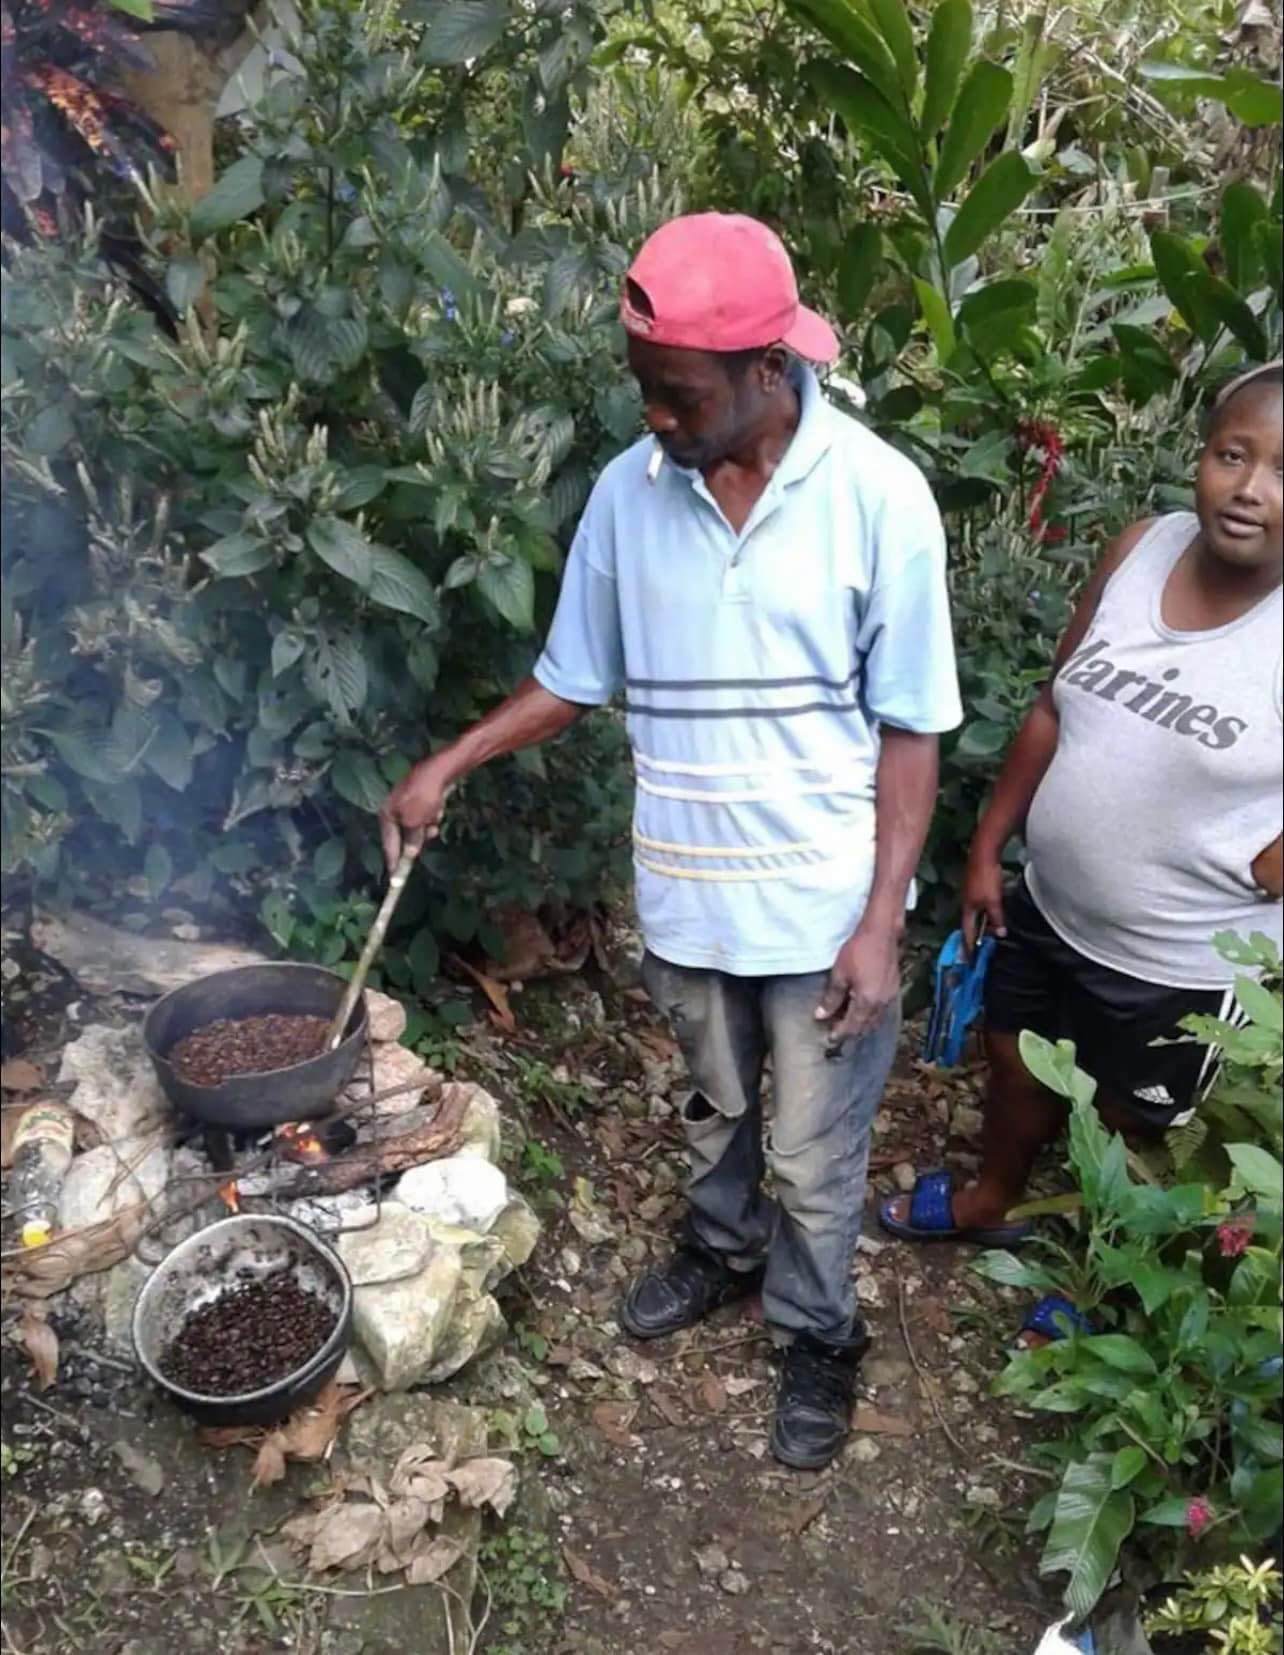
x: 343, y: 547
x: 982, y: 739
x: 237, y: 554
x: 936, y: 313
x: 334, y: 670
x: 287, y: 647
x: 564, y: 279
x: 988, y: 457
x: 184, y: 282
x: 509, y: 586
x: 396, y: 583
x: 1218, y: 299
x: 1055, y: 270
x: 1091, y: 1521
x: 850, y: 30
x: 168, y: 753
x: 446, y: 267
x: 863, y: 108
x: 356, y: 778
x: 1169, y: 1514
x: 142, y: 9
x: 1118, y: 1350
x: 1179, y: 268
x: 1127, y: 1464
x: 1052, y: 1065
x: 997, y: 193
x: 1270, y: 246
x: 424, y: 959
x: 1260, y: 1171
x: 1000, y: 298
x: 464, y: 29
x: 858, y: 268
x: 1012, y: 1271
x: 361, y: 485
x: 948, y: 44
x: 1252, y: 100
x: 1264, y: 1007
x: 1243, y: 209
x: 328, y: 860
x: 158, y: 869
x: 979, y: 111
x: 121, y: 804
x: 236, y: 194
x: 893, y: 23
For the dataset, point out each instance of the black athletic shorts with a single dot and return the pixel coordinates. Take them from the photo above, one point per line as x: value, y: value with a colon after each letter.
x: 1036, y: 981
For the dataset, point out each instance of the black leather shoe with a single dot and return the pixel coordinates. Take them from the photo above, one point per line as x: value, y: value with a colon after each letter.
x: 814, y: 1404
x: 690, y: 1286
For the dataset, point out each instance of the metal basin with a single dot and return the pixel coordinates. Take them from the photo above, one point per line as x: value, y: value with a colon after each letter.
x: 203, y: 1267
x: 245, y: 1103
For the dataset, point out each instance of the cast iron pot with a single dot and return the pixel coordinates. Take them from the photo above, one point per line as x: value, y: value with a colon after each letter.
x: 200, y: 1269
x: 246, y: 1103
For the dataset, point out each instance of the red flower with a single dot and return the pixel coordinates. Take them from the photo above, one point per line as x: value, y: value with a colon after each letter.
x: 1042, y: 434
x: 1234, y: 1236
x: 1199, y: 1514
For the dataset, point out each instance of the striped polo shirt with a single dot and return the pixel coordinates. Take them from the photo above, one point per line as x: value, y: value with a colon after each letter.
x: 757, y: 668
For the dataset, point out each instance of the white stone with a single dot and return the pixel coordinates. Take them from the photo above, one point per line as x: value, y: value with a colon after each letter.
x: 397, y: 1245
x: 904, y: 1174
x: 476, y: 1325
x: 122, y: 1285
x: 403, y: 1325
x: 394, y: 1065
x: 116, y: 1091
x: 519, y: 1229
x: 480, y: 1128
x: 967, y: 1122
x: 105, y: 960
x: 865, y: 1450
x: 387, y: 1016
x: 484, y: 1261
x: 458, y: 1189
x: 96, y: 1188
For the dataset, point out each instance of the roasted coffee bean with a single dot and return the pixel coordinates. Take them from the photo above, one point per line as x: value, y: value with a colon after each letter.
x: 247, y: 1046
x: 258, y: 1331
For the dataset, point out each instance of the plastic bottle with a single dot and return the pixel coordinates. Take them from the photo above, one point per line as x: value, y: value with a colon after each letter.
x: 42, y: 1149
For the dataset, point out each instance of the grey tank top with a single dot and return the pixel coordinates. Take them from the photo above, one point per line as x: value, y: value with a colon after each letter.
x: 1166, y: 782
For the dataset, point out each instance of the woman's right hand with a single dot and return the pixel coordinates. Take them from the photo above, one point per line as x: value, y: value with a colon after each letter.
x: 982, y: 897
x: 412, y: 812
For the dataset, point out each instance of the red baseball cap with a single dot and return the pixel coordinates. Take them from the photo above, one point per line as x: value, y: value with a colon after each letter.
x: 721, y: 282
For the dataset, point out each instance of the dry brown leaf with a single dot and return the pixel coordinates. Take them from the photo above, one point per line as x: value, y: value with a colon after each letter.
x: 228, y: 1436
x: 40, y: 1342
x: 713, y: 1393
x: 485, y: 1482
x: 404, y: 1521
x: 496, y: 993
x: 346, y: 1536
x: 741, y: 1384
x: 583, y: 1571
x: 300, y: 1531
x: 420, y: 1475
x: 433, y: 1559
x: 612, y: 1421
x: 19, y: 1074
x: 310, y: 1432
x: 878, y: 1424
x: 269, y: 1462
x: 803, y: 1516
x: 529, y: 951
x: 666, y: 1405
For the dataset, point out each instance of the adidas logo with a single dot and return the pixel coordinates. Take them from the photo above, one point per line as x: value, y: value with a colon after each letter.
x: 1159, y: 1095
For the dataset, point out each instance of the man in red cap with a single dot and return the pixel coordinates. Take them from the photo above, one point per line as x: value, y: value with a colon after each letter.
x: 765, y: 580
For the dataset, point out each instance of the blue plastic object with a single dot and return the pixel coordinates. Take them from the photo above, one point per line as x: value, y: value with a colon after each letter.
x: 960, y: 982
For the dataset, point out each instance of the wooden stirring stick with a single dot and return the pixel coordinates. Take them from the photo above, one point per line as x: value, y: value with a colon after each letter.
x: 397, y: 884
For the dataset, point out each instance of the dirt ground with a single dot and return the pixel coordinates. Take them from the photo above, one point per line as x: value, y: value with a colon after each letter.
x: 653, y: 1519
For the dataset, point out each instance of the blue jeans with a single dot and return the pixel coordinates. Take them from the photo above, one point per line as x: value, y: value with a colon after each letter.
x: 818, y: 1147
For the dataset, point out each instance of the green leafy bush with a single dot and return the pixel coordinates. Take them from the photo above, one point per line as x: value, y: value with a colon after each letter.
x: 1173, y: 1403
x: 1236, y: 1606
x: 250, y: 575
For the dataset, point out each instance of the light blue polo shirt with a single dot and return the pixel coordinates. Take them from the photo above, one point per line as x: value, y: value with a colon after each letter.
x: 757, y: 668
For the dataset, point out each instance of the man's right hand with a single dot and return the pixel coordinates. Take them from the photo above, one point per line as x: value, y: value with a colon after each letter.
x: 982, y: 897
x: 414, y: 808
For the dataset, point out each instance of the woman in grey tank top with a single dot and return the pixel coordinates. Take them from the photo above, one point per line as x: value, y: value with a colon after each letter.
x: 1147, y: 782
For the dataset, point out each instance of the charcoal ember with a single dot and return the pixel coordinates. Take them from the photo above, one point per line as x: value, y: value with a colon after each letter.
x: 260, y: 1330
x: 247, y: 1046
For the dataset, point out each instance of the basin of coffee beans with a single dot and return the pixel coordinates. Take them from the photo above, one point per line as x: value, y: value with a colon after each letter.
x: 247, y: 1046
x: 261, y: 1330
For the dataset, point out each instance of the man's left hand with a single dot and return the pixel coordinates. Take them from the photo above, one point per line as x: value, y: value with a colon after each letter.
x: 864, y: 982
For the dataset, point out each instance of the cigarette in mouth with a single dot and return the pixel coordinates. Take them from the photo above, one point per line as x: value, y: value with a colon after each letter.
x: 654, y: 464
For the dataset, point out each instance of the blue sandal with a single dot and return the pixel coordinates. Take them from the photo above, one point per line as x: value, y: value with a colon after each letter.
x: 1043, y: 1318
x: 931, y: 1217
